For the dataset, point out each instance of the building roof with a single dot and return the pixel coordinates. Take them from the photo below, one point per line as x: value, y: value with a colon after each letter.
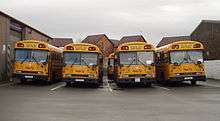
x: 207, y: 32
x: 18, y: 21
x: 93, y: 38
x: 61, y: 42
x: 168, y: 40
x: 137, y: 38
x: 114, y: 42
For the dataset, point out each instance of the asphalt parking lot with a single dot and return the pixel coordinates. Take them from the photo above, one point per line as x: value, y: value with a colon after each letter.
x: 56, y: 102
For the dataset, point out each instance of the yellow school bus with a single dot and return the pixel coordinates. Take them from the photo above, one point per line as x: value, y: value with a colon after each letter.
x: 37, y: 60
x: 181, y: 61
x: 83, y: 63
x: 110, y: 69
x: 134, y: 63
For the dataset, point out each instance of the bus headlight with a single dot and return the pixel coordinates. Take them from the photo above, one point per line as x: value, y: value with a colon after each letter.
x: 67, y: 75
x: 177, y: 74
x: 18, y: 71
x: 40, y: 72
x: 125, y: 76
x: 92, y: 75
x: 149, y: 75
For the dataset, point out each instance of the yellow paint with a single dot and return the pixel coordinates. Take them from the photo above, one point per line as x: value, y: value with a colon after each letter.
x: 31, y: 67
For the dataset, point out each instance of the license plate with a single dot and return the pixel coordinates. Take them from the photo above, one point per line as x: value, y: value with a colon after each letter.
x: 137, y: 80
x: 79, y: 80
x: 28, y: 77
x: 188, y: 78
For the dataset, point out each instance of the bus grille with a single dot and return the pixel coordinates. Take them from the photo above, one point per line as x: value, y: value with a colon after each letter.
x: 193, y: 73
x: 137, y: 75
x: 79, y: 75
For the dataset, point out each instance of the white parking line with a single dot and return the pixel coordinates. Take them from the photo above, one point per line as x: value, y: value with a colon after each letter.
x: 6, y: 84
x: 211, y: 85
x: 164, y: 88
x: 109, y: 87
x: 62, y: 84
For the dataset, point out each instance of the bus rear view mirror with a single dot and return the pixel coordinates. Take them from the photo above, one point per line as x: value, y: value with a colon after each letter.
x: 176, y: 64
x: 199, y: 62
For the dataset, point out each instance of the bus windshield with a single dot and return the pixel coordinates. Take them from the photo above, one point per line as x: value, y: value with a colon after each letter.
x: 80, y: 58
x: 136, y: 58
x: 189, y: 56
x: 31, y: 55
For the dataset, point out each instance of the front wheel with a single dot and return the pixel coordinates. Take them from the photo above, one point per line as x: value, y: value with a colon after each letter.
x: 193, y: 83
x: 23, y: 81
x: 148, y: 84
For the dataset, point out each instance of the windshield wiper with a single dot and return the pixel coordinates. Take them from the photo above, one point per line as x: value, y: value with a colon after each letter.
x: 85, y: 63
x: 131, y: 62
x: 36, y: 60
x: 142, y: 63
x: 24, y: 59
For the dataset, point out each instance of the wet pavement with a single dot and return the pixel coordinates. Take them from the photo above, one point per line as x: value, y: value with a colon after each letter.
x: 57, y: 102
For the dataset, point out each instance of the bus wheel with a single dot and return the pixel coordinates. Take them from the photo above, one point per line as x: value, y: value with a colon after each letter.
x: 148, y: 84
x: 69, y: 84
x: 23, y: 81
x: 193, y: 83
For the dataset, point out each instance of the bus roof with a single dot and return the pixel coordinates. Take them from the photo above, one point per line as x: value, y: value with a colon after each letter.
x: 35, y: 44
x: 182, y: 45
x: 135, y: 46
x: 81, y: 47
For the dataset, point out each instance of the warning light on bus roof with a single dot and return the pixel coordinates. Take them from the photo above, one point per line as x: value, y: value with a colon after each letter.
x: 147, y: 47
x: 175, y: 47
x: 124, y: 48
x: 69, y: 48
x: 20, y: 45
x: 196, y: 45
x: 91, y: 48
x: 41, y: 46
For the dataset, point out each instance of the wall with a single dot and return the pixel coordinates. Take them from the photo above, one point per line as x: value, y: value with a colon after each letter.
x: 32, y: 34
x: 4, y: 36
x: 212, y: 68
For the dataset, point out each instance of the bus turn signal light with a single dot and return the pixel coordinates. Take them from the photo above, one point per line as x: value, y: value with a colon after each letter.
x: 147, y: 47
x: 91, y: 48
x: 41, y: 46
x: 196, y: 45
x: 175, y: 47
x: 20, y: 45
x: 124, y: 48
x: 69, y: 48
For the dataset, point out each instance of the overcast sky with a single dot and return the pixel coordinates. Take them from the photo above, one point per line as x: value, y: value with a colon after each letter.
x: 115, y: 18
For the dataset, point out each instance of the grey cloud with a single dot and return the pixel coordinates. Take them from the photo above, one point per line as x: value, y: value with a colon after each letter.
x: 116, y: 18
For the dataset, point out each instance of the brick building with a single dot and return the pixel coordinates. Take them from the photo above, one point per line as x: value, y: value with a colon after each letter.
x: 208, y: 33
x: 12, y: 30
x: 137, y: 38
x: 115, y: 43
x: 168, y: 40
x: 102, y: 41
x: 61, y: 42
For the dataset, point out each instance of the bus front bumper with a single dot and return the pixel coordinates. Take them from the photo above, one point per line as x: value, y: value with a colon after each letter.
x: 136, y: 80
x: 30, y: 76
x: 81, y: 80
x: 187, y: 78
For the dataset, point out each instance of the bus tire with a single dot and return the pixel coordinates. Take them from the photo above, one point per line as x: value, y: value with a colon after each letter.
x: 148, y: 84
x: 23, y: 81
x: 193, y: 83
